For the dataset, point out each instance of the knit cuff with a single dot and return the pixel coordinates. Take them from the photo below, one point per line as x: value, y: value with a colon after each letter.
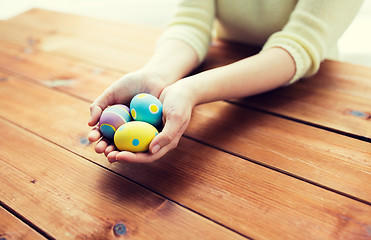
x: 199, y: 43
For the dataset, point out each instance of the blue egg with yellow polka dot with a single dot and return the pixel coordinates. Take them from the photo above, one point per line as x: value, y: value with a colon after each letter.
x: 147, y: 108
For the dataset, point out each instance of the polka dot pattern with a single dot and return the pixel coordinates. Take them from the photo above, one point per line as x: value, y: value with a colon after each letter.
x: 147, y: 108
x: 135, y: 136
x: 135, y: 142
x: 133, y: 114
x: 153, y: 108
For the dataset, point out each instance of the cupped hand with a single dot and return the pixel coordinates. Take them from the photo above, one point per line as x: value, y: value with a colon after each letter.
x: 121, y: 92
x: 178, y: 103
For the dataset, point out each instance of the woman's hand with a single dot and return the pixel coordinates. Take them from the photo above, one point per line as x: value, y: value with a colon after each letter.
x: 162, y: 69
x: 178, y: 103
x: 121, y: 92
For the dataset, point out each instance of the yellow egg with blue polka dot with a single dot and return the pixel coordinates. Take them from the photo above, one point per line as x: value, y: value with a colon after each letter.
x: 135, y: 136
x: 147, y: 108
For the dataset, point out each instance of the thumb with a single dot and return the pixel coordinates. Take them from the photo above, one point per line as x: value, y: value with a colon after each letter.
x: 104, y: 100
x: 95, y: 112
x: 169, y: 136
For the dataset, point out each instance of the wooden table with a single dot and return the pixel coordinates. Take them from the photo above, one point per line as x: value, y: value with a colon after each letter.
x: 294, y: 163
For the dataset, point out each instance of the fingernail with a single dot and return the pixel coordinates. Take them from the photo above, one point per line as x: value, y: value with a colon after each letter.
x: 155, y: 149
x: 112, y: 160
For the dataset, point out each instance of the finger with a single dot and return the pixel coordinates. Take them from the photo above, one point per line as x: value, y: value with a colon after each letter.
x: 95, y: 113
x: 146, y: 157
x: 131, y: 157
x: 94, y: 135
x: 102, y: 145
x: 112, y: 156
x: 125, y: 156
x: 117, y: 93
x: 102, y: 102
x: 171, y: 133
x: 96, y: 109
x: 110, y: 148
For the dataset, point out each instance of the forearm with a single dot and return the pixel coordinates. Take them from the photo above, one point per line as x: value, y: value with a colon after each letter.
x: 172, y: 60
x: 260, y: 73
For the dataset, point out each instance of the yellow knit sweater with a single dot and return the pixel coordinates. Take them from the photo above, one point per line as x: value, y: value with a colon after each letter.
x: 307, y: 29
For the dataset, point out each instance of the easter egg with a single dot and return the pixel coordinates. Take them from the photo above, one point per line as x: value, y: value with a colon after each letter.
x: 135, y: 136
x: 147, y: 108
x: 112, y: 118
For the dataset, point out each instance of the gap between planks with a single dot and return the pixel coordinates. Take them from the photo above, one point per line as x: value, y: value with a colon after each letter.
x: 39, y: 230
x: 44, y: 31
x: 311, y: 196
x: 166, y: 205
x: 68, y: 92
x: 301, y: 121
x: 19, y: 231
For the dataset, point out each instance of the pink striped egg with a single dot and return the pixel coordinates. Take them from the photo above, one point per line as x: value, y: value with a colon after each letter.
x: 112, y: 118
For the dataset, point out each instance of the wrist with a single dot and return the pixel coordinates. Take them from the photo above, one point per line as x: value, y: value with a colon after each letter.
x: 161, y: 74
x: 189, y: 89
x: 172, y: 67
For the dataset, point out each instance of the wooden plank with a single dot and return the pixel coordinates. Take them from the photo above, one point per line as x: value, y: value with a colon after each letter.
x: 83, y: 38
x: 323, y: 160
x: 336, y: 98
x: 71, y: 198
x: 87, y: 27
x: 78, y: 79
x: 328, y: 159
x: 13, y: 228
x: 336, y: 76
x: 251, y: 199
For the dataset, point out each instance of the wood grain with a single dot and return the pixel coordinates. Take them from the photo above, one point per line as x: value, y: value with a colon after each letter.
x: 319, y: 156
x: 248, y: 174
x: 11, y: 228
x: 335, y: 98
x: 78, y: 79
x: 71, y: 198
x: 225, y: 188
x: 324, y: 160
x: 83, y: 38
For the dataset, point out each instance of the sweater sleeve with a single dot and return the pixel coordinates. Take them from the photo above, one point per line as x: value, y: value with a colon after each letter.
x: 192, y: 23
x: 313, y: 28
